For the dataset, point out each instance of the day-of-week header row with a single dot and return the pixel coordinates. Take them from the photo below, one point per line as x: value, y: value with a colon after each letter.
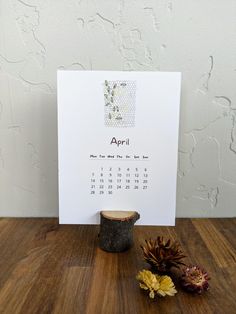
x: 136, y: 157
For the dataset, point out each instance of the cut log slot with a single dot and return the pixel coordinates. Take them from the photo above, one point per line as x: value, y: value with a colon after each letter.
x: 116, y: 230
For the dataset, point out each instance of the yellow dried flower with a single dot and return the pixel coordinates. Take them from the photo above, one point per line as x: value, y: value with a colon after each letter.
x: 161, y: 285
x: 167, y: 286
x: 148, y: 282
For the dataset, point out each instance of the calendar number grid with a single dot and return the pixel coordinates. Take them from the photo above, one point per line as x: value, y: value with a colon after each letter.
x: 109, y: 180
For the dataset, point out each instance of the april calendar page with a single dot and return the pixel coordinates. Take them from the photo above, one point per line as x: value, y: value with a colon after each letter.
x: 118, y: 142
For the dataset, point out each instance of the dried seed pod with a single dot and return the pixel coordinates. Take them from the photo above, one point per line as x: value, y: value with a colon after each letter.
x: 163, y: 255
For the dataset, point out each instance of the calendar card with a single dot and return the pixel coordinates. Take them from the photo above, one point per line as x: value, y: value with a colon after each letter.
x: 118, y: 143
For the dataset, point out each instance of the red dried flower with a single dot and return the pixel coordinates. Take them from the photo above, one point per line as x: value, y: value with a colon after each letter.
x: 195, y: 279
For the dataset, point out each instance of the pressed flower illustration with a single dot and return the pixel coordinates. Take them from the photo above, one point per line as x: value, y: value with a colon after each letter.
x: 119, y: 103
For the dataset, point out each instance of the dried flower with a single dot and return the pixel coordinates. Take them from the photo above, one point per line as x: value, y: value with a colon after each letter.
x: 162, y: 255
x: 167, y: 286
x: 161, y: 285
x: 148, y: 281
x: 195, y: 279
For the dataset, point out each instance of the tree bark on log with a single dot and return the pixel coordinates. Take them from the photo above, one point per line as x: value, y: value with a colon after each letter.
x: 116, y: 230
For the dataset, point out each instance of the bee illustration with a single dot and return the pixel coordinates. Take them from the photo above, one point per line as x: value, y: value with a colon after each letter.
x: 119, y: 117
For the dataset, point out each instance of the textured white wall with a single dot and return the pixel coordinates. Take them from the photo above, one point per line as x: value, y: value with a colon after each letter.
x: 197, y: 38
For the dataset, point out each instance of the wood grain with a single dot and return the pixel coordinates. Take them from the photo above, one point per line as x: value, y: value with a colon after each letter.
x: 47, y: 268
x: 223, y: 252
x: 117, y: 214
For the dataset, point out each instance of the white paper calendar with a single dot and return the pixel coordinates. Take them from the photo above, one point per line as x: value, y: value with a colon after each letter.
x: 117, y: 144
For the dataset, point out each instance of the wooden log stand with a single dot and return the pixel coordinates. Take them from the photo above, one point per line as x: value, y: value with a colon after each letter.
x: 116, y: 230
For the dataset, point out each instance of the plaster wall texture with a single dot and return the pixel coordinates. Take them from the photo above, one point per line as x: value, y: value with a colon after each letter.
x: 198, y: 38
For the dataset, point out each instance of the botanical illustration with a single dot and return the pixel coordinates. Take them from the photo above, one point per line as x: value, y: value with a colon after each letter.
x: 119, y: 103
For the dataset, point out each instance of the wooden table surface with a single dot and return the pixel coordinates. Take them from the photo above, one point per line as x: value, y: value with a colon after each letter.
x: 47, y: 268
